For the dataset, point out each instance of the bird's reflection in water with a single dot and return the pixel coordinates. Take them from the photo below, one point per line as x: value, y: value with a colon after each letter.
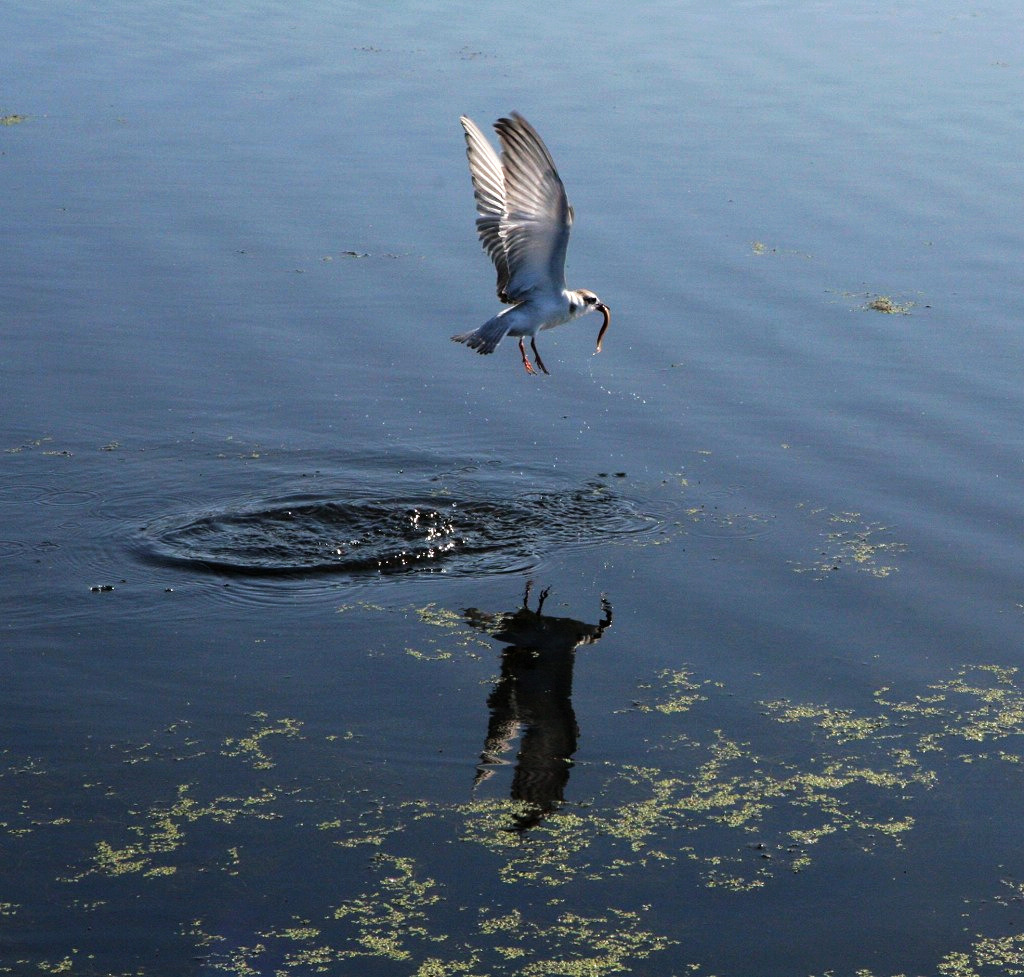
x: 534, y: 697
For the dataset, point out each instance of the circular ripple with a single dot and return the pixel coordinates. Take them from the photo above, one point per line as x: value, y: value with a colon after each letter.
x: 310, y: 535
x: 68, y: 497
x: 15, y: 491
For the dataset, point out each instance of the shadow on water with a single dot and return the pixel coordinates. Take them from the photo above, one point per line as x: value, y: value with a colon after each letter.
x: 464, y: 535
x: 533, y: 697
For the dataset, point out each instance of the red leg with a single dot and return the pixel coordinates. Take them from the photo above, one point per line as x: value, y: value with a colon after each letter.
x: 526, y: 362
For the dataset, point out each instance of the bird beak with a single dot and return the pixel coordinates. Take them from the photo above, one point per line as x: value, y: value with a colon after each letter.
x: 606, y: 312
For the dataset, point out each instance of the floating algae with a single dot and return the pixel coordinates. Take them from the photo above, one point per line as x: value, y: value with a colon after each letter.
x: 363, y: 876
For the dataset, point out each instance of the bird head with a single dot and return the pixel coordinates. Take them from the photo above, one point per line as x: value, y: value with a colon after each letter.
x: 591, y: 301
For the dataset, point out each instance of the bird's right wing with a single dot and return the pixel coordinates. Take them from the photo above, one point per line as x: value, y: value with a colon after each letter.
x: 489, y: 191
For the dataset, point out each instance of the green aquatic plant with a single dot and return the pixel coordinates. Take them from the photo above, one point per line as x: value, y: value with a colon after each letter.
x: 842, y: 725
x: 164, y: 831
x: 251, y: 747
x: 988, y: 956
x: 388, y: 917
x: 884, y: 303
x: 220, y: 816
x: 683, y: 692
x: 980, y: 704
x: 398, y: 919
x: 862, y: 547
x: 554, y: 856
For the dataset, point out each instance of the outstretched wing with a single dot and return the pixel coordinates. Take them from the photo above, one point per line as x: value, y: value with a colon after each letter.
x: 525, y: 216
x: 489, y: 191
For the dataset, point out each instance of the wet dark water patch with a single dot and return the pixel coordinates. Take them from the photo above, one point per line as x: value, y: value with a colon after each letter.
x: 69, y: 497
x: 304, y: 535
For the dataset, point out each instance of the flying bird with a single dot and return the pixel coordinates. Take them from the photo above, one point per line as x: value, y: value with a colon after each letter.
x: 524, y: 225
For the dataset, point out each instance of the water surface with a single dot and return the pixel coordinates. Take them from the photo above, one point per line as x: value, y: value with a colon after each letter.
x: 331, y: 647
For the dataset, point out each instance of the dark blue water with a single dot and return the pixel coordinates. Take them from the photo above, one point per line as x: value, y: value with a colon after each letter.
x: 327, y: 646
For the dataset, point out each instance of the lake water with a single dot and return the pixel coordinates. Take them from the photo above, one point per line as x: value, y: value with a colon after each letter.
x: 329, y: 646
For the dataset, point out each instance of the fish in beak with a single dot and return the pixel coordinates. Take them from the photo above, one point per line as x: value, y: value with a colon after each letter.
x: 606, y: 312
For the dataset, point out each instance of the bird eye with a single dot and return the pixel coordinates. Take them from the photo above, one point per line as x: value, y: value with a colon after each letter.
x: 590, y: 299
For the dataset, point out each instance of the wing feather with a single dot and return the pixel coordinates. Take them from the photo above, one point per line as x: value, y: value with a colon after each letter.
x: 524, y: 215
x: 489, y: 191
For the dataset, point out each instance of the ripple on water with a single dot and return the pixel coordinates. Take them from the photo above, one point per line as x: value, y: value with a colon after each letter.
x: 15, y: 490
x: 417, y: 533
x: 68, y: 497
x: 714, y: 523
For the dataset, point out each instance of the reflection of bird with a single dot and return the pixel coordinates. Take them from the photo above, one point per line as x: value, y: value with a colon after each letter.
x: 524, y: 226
x: 534, y: 694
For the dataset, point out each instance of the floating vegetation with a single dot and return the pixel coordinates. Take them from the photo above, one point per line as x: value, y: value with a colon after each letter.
x: 683, y: 693
x: 28, y: 445
x: 851, y: 542
x: 12, y: 120
x: 760, y: 248
x: 162, y: 833
x: 980, y: 704
x: 396, y: 921
x: 206, y: 827
x: 885, y: 304
x: 449, y: 632
x: 1001, y: 956
x: 250, y: 747
x: 842, y: 725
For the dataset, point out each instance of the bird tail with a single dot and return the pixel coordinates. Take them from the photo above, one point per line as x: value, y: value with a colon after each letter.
x: 486, y: 337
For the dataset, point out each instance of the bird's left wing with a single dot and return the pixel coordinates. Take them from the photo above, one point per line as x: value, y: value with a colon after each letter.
x: 535, y: 227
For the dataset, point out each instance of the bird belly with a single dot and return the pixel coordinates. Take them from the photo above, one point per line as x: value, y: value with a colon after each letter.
x: 530, y: 317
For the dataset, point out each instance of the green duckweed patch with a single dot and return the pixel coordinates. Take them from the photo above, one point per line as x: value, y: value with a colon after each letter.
x: 331, y: 874
x: 683, y: 693
x: 250, y: 747
x: 876, y: 302
x: 889, y: 306
x: 851, y: 542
